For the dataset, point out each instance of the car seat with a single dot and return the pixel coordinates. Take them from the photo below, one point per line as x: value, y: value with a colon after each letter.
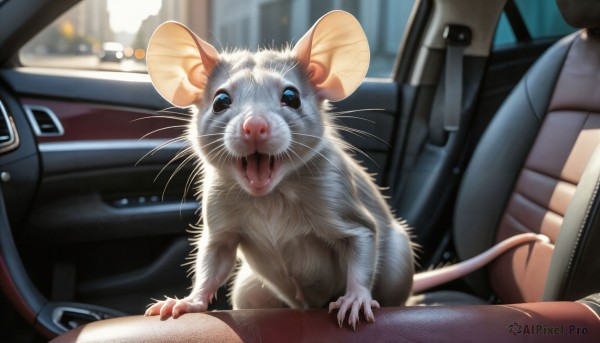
x: 536, y: 169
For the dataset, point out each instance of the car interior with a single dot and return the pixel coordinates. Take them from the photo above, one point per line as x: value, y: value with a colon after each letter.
x: 476, y: 142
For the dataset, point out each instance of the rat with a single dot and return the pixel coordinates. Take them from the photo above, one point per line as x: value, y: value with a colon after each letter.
x: 280, y: 190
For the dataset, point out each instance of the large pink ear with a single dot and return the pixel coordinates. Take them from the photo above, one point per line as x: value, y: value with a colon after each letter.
x: 179, y: 63
x: 335, y: 52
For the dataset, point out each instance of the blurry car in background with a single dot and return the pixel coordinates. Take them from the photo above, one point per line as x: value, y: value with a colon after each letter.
x: 111, y: 52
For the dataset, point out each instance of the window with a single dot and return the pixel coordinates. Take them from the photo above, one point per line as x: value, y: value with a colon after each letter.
x: 113, y: 34
x: 542, y: 19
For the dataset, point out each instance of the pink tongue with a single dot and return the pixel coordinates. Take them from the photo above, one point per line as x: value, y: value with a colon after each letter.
x: 258, y: 170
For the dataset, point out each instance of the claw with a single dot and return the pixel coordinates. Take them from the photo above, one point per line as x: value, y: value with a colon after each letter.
x: 354, y: 303
x: 332, y: 306
x: 175, y: 308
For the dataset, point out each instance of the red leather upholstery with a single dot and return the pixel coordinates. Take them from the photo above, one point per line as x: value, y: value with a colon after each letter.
x: 533, y: 322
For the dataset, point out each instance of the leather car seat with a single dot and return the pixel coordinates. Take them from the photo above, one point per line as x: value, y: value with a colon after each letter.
x: 536, y: 169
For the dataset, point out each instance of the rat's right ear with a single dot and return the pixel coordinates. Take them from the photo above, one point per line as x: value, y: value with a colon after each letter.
x: 335, y: 54
x: 179, y: 63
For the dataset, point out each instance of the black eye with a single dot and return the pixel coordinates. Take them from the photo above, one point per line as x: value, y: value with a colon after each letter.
x: 291, y: 97
x: 221, y: 102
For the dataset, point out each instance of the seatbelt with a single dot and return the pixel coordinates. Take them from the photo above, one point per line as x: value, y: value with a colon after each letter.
x: 516, y: 22
x: 457, y: 38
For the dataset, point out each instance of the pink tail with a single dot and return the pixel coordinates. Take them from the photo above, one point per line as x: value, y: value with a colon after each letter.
x: 426, y: 280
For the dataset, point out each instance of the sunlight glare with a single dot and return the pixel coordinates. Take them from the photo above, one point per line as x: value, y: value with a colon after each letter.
x: 127, y: 15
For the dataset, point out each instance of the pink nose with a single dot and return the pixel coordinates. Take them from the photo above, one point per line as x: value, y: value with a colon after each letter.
x: 255, y: 127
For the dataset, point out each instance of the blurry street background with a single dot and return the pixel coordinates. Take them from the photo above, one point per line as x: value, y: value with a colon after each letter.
x: 113, y: 34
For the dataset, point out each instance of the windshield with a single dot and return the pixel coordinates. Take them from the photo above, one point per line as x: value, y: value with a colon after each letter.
x: 113, y: 34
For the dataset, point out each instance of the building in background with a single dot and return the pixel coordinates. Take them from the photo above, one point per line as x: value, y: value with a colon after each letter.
x: 255, y: 24
x: 91, y: 19
x: 193, y: 13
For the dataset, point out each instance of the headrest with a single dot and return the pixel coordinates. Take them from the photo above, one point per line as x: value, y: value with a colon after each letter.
x: 580, y: 13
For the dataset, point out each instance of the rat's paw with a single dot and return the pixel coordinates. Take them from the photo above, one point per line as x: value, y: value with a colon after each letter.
x: 175, y: 308
x: 354, y: 301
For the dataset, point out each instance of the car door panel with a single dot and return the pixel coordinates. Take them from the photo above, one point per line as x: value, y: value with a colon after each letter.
x: 100, y: 174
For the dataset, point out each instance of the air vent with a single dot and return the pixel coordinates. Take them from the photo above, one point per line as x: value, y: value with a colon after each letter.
x: 8, y: 134
x: 44, y: 121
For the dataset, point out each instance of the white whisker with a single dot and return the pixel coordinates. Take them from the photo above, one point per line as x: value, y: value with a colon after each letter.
x: 188, y: 120
x: 161, y: 146
x: 163, y: 129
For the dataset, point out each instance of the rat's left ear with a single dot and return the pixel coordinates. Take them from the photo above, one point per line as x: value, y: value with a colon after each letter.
x: 179, y: 63
x: 335, y: 53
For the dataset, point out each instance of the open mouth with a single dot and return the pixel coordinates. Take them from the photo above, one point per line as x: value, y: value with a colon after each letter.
x: 258, y: 169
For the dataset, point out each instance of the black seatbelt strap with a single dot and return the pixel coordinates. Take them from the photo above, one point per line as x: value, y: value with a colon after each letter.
x: 457, y: 38
x: 516, y: 22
